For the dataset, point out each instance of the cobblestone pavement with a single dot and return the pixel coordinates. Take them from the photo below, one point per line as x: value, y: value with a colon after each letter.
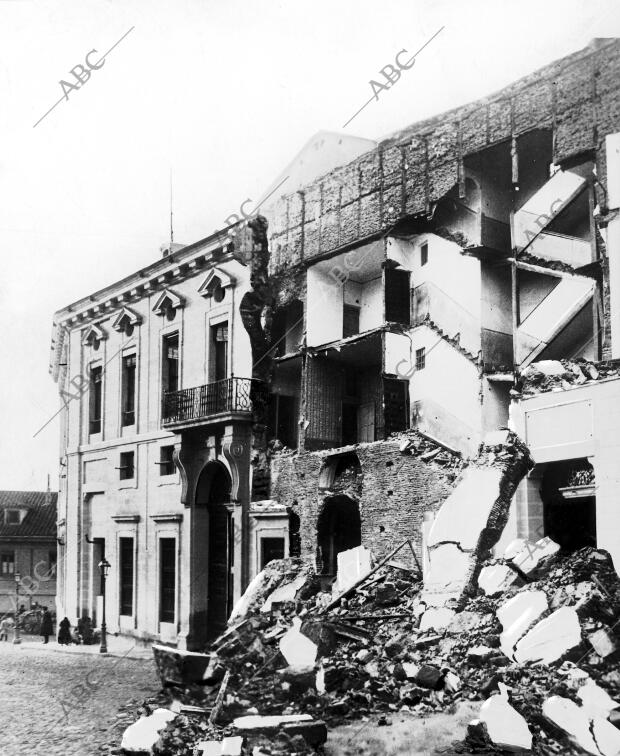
x: 62, y: 703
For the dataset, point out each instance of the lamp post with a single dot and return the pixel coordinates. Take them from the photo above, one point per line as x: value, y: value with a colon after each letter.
x: 104, y: 568
x: 16, y: 637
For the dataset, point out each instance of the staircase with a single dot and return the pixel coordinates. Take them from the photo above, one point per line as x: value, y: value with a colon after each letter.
x: 531, y: 220
x: 551, y: 315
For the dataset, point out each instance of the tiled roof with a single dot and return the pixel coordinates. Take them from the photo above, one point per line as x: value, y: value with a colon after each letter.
x: 39, y: 521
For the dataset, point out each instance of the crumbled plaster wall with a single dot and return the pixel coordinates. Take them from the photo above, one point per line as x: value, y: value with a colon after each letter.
x: 577, y: 97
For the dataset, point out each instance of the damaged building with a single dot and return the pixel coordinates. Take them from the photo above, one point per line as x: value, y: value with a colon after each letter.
x: 319, y: 377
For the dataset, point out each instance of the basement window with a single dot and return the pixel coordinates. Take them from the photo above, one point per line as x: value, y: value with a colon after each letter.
x: 420, y: 358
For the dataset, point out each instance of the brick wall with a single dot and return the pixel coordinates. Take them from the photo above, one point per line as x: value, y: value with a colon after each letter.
x: 396, y: 491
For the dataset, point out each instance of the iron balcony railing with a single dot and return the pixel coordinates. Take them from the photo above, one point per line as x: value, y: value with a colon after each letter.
x: 200, y: 402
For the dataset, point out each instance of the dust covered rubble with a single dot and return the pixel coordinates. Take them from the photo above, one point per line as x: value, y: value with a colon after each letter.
x: 523, y: 649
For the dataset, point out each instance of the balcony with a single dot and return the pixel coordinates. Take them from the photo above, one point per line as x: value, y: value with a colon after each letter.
x: 212, y: 401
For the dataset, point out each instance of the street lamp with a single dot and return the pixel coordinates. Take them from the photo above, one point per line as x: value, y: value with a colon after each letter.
x: 104, y: 568
x: 16, y: 637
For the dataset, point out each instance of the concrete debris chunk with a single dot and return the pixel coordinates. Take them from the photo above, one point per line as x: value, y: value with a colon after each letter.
x: 603, y: 642
x: 142, y: 735
x: 495, y: 579
x: 286, y: 592
x: 411, y: 670
x: 436, y: 618
x: 531, y: 554
x: 298, y: 650
x: 606, y: 736
x: 231, y: 746
x: 516, y: 616
x: 429, y: 677
x: 551, y: 638
x: 447, y: 573
x: 595, y: 700
x: 258, y: 723
x: 505, y: 726
x: 549, y: 367
x: 353, y: 565
x: 465, y: 513
x: 571, y: 719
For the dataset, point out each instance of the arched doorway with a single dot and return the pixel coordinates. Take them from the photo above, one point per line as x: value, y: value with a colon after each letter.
x: 338, y: 528
x: 212, y: 498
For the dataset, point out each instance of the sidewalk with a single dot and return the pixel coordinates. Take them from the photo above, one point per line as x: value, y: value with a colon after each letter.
x: 130, y: 648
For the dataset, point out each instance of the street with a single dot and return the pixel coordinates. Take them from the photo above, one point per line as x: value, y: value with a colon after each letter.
x: 68, y: 703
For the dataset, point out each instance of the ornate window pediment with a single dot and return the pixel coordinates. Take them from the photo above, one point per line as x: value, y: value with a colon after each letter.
x: 168, y: 302
x: 126, y: 320
x: 216, y: 280
x: 93, y: 335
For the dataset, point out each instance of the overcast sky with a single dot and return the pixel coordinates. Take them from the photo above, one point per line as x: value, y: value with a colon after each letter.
x: 223, y: 93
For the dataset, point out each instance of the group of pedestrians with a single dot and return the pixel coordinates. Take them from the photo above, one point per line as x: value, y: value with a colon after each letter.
x: 8, y: 624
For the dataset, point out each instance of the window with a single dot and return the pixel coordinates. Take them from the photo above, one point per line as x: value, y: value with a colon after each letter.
x: 126, y: 468
x: 420, y: 358
x: 170, y: 363
x: 13, y: 517
x: 128, y: 388
x: 166, y: 460
x: 271, y: 548
x: 350, y: 320
x: 167, y: 579
x: 96, y: 376
x: 397, y: 296
x: 219, y: 343
x: 424, y: 254
x: 52, y: 561
x: 7, y: 562
x: 125, y: 569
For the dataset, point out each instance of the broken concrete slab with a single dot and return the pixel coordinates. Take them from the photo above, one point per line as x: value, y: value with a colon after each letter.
x: 436, y: 618
x: 505, y: 726
x: 296, y: 648
x: 596, y: 700
x: 571, y: 719
x: 178, y: 667
x: 353, y: 565
x: 286, y: 592
x: 255, y: 723
x: 314, y: 732
x: 231, y: 746
x: 517, y: 615
x: 495, y: 579
x: 411, y: 670
x: 142, y: 735
x: 603, y: 642
x: 465, y: 513
x: 531, y: 554
x: 606, y: 736
x: 447, y: 574
x: 551, y: 638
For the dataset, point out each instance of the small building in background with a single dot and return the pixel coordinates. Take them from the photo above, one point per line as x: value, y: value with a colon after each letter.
x: 27, y: 549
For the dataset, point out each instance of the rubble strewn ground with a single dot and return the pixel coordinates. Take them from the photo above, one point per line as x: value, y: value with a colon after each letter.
x: 528, y: 639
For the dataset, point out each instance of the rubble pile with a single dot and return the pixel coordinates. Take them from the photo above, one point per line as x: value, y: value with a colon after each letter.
x: 531, y: 634
x: 371, y: 653
x: 559, y: 375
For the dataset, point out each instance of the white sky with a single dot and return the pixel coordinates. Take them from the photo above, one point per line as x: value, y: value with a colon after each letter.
x: 224, y: 92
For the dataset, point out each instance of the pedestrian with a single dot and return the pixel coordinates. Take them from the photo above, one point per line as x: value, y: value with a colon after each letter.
x: 64, y: 632
x: 4, y: 629
x: 47, y: 628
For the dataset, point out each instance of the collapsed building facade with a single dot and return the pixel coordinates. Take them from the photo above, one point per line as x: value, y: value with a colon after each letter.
x: 386, y: 318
